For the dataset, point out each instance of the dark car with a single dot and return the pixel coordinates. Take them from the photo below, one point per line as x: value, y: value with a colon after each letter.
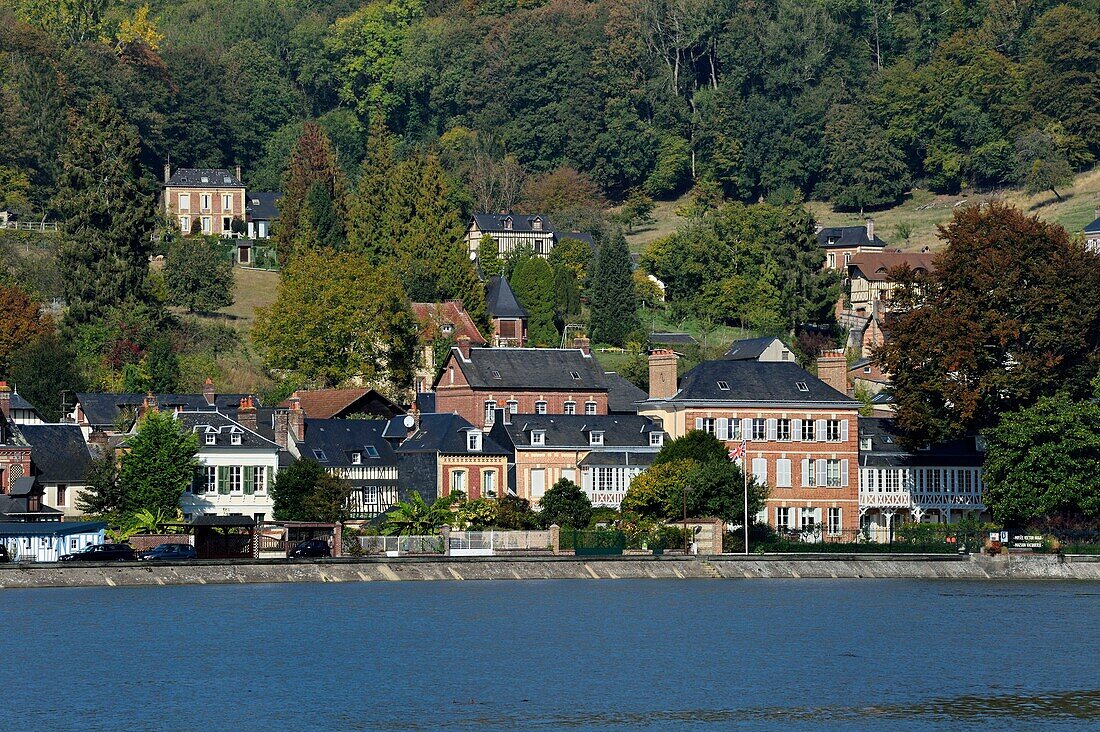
x: 311, y: 548
x: 169, y: 553
x: 102, y: 553
x: 4, y: 554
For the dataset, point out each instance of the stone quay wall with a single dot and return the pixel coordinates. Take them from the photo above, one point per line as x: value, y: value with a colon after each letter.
x: 389, y: 569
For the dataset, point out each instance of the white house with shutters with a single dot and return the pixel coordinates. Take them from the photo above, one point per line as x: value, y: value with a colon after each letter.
x: 237, y: 468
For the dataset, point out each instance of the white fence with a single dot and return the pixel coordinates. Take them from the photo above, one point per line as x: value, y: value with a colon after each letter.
x: 42, y: 226
x: 487, y: 543
x: 394, y: 546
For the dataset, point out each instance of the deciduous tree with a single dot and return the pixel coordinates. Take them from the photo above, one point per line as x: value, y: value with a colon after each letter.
x: 565, y: 504
x: 158, y: 466
x: 197, y: 276
x: 22, y: 322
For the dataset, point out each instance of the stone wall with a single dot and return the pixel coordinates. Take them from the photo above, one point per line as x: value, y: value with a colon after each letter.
x: 489, y: 568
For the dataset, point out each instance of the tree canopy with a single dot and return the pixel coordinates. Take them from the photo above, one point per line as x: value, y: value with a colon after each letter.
x: 158, y: 466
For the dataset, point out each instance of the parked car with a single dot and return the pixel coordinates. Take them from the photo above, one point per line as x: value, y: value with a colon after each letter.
x: 311, y: 548
x: 102, y: 553
x: 4, y: 557
x: 169, y: 553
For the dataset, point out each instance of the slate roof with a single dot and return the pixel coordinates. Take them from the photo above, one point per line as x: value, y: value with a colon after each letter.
x: 876, y: 266
x: 573, y: 430
x: 888, y: 451
x: 101, y: 409
x: 748, y: 349
x: 193, y: 178
x: 439, y: 433
x: 327, y: 403
x: 18, y: 402
x: 1093, y: 228
x: 846, y: 236
x: 531, y: 368
x: 501, y: 299
x: 523, y: 223
x: 434, y: 315
x: 425, y: 402
x: 202, y: 423
x: 337, y: 439
x: 622, y: 395
x: 262, y: 205
x: 50, y: 528
x: 58, y: 452
x: 673, y: 339
x: 757, y: 382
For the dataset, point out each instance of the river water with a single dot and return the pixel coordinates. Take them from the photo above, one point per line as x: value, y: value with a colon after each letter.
x: 757, y: 654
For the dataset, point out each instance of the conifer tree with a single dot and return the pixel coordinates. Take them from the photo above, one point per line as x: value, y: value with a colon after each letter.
x: 313, y: 161
x: 533, y: 283
x: 108, y: 213
x: 368, y: 233
x: 488, y: 257
x: 614, y: 302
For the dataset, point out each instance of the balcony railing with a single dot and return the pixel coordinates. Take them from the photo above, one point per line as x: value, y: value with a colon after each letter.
x: 906, y: 498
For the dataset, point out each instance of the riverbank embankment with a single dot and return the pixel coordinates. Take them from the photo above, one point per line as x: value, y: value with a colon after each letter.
x: 389, y: 569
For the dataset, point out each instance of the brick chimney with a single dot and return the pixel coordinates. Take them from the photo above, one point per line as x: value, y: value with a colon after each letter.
x: 5, y: 400
x: 870, y: 229
x: 282, y: 427
x: 208, y: 391
x: 149, y: 404
x: 238, y: 172
x: 662, y: 373
x: 832, y: 368
x: 463, y: 344
x: 297, y: 418
x: 246, y: 414
x: 583, y: 345
x: 98, y: 438
x: 167, y: 172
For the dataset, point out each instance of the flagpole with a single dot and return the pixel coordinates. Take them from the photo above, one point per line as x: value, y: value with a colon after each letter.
x: 745, y: 475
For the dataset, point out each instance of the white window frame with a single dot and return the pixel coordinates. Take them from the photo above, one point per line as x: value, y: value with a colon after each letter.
x: 204, y: 201
x: 835, y: 518
x: 185, y: 202
x: 235, y: 438
x: 236, y: 480
x: 590, y: 407
x: 473, y: 441
x: 489, y: 483
x: 656, y: 439
x: 759, y: 429
x: 458, y: 481
x: 227, y: 202
x: 541, y: 472
x: 540, y: 407
x: 783, y: 430
x: 185, y: 224
x: 783, y: 473
x: 210, y: 438
x: 595, y: 438
x: 490, y: 411
x: 538, y: 438
x: 513, y: 406
x: 570, y: 407
x: 783, y: 518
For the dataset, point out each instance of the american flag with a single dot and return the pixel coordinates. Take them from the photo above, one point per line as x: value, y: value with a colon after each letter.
x: 737, y: 452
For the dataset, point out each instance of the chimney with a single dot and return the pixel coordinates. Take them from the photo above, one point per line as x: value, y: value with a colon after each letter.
x: 297, y: 418
x: 149, y: 404
x: 98, y: 438
x: 282, y: 427
x: 464, y: 347
x: 583, y: 345
x: 238, y: 171
x: 832, y: 368
x: 208, y: 391
x: 662, y: 373
x: 246, y: 414
x: 167, y: 171
x: 5, y: 400
x: 870, y: 229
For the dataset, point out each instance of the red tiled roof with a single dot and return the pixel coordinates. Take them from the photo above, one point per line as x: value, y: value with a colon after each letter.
x: 327, y: 403
x: 876, y: 265
x: 434, y: 314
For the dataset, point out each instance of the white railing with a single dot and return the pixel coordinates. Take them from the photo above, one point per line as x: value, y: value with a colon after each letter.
x: 924, y: 499
x: 398, y: 545
x: 29, y: 225
x: 486, y: 543
x: 612, y: 499
x: 886, y: 499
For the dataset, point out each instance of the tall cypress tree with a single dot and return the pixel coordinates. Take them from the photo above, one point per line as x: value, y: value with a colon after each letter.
x: 614, y: 302
x: 533, y: 283
x: 368, y: 232
x: 312, y: 162
x: 108, y: 214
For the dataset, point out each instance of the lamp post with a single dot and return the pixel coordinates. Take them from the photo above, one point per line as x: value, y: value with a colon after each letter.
x: 745, y: 520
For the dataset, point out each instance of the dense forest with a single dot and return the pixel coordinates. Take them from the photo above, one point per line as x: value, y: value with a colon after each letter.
x: 850, y: 100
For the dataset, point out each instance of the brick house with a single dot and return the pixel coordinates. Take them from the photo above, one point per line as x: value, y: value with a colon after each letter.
x: 213, y: 197
x: 508, y: 316
x: 600, y: 453
x: 15, y: 451
x: 841, y: 243
x: 801, y: 433
x: 474, y: 382
x: 440, y: 321
x: 438, y: 454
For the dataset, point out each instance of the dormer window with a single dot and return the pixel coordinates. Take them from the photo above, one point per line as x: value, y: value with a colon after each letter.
x: 570, y: 407
x: 473, y: 441
x: 538, y: 438
x: 204, y: 179
x: 508, y: 224
x: 723, y: 385
x: 356, y: 458
x: 227, y: 179
x: 656, y: 439
x: 865, y: 444
x: 537, y: 224
x: 595, y: 437
x: 235, y: 438
x: 447, y: 329
x: 590, y: 407
x: 540, y: 407
x: 211, y: 438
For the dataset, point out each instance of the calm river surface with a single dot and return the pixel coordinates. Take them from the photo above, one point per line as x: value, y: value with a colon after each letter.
x: 758, y: 654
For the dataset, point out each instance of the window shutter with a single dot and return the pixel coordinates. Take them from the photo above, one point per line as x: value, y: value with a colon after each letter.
x: 772, y: 429
x: 723, y: 428
x: 746, y: 428
x: 844, y: 471
x: 796, y: 430
x: 698, y: 423
x: 783, y: 473
x: 822, y: 473
x: 760, y: 469
x: 223, y: 480
x: 806, y: 475
x: 844, y: 430
x: 249, y: 480
x: 821, y: 434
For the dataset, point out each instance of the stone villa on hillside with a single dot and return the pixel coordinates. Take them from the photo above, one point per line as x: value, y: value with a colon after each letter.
x: 511, y: 230
x: 841, y: 243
